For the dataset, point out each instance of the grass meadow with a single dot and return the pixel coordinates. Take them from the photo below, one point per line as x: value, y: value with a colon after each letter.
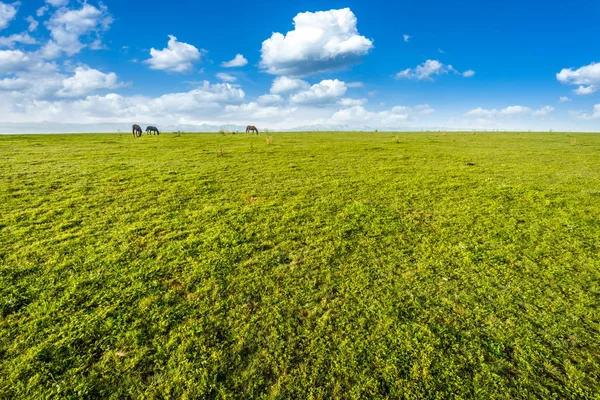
x: 311, y: 265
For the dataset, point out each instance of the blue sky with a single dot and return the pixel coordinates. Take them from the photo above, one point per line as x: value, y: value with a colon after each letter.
x: 460, y: 64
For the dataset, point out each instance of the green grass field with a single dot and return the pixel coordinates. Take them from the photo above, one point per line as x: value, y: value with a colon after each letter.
x: 323, y: 265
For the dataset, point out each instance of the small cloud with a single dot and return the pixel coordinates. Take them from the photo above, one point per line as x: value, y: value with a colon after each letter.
x: 57, y: 3
x: 270, y: 100
x: 177, y: 57
x: 41, y: 11
x: 283, y: 84
x: 98, y: 45
x: 468, y: 74
x: 326, y: 91
x: 7, y: 13
x: 372, y: 93
x: 441, y: 51
x: 10, y: 41
x: 238, y: 61
x: 347, y: 102
x: 587, y: 77
x: 586, y: 90
x: 564, y: 99
x: 355, y: 84
x: 225, y: 77
x: 424, y: 109
x: 33, y: 24
x: 406, y: 38
x: 515, y: 110
x: 87, y: 80
x: 543, y: 112
x: 425, y: 71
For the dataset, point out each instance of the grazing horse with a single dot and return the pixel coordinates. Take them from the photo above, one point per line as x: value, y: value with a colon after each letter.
x: 137, y: 130
x: 251, y: 129
x: 152, y: 129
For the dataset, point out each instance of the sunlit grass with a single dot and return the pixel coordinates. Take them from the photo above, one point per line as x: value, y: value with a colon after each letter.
x: 308, y: 265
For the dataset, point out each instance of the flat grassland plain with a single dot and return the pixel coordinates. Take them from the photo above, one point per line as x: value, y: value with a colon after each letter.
x: 322, y: 265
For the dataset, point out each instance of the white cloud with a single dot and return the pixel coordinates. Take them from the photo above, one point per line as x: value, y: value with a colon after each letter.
x: 13, y: 61
x: 238, y: 61
x: 86, y: 80
x: 587, y: 75
x: 508, y: 112
x: 215, y: 94
x: 426, y: 71
x: 355, y: 84
x: 587, y: 116
x: 515, y: 110
x: 97, y: 45
x: 424, y: 109
x: 41, y: 11
x: 255, y: 111
x: 7, y: 13
x: 269, y: 99
x: 177, y: 57
x: 564, y: 99
x: 196, y: 106
x: 70, y: 28
x: 480, y: 112
x: 12, y: 84
x: 33, y: 24
x: 406, y: 38
x: 320, y: 42
x: 585, y: 90
x: 283, y: 84
x: 543, y: 112
x: 355, y: 114
x: 226, y: 77
x: 347, y: 102
x: 326, y: 91
x: 57, y: 3
x: 468, y: 74
x: 10, y: 41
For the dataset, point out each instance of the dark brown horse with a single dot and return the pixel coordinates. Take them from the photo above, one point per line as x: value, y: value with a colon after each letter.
x: 251, y: 129
x: 137, y: 130
x: 152, y: 129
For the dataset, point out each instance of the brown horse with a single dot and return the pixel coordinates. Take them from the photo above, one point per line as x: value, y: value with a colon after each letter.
x: 251, y: 129
x: 152, y: 130
x: 137, y: 130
